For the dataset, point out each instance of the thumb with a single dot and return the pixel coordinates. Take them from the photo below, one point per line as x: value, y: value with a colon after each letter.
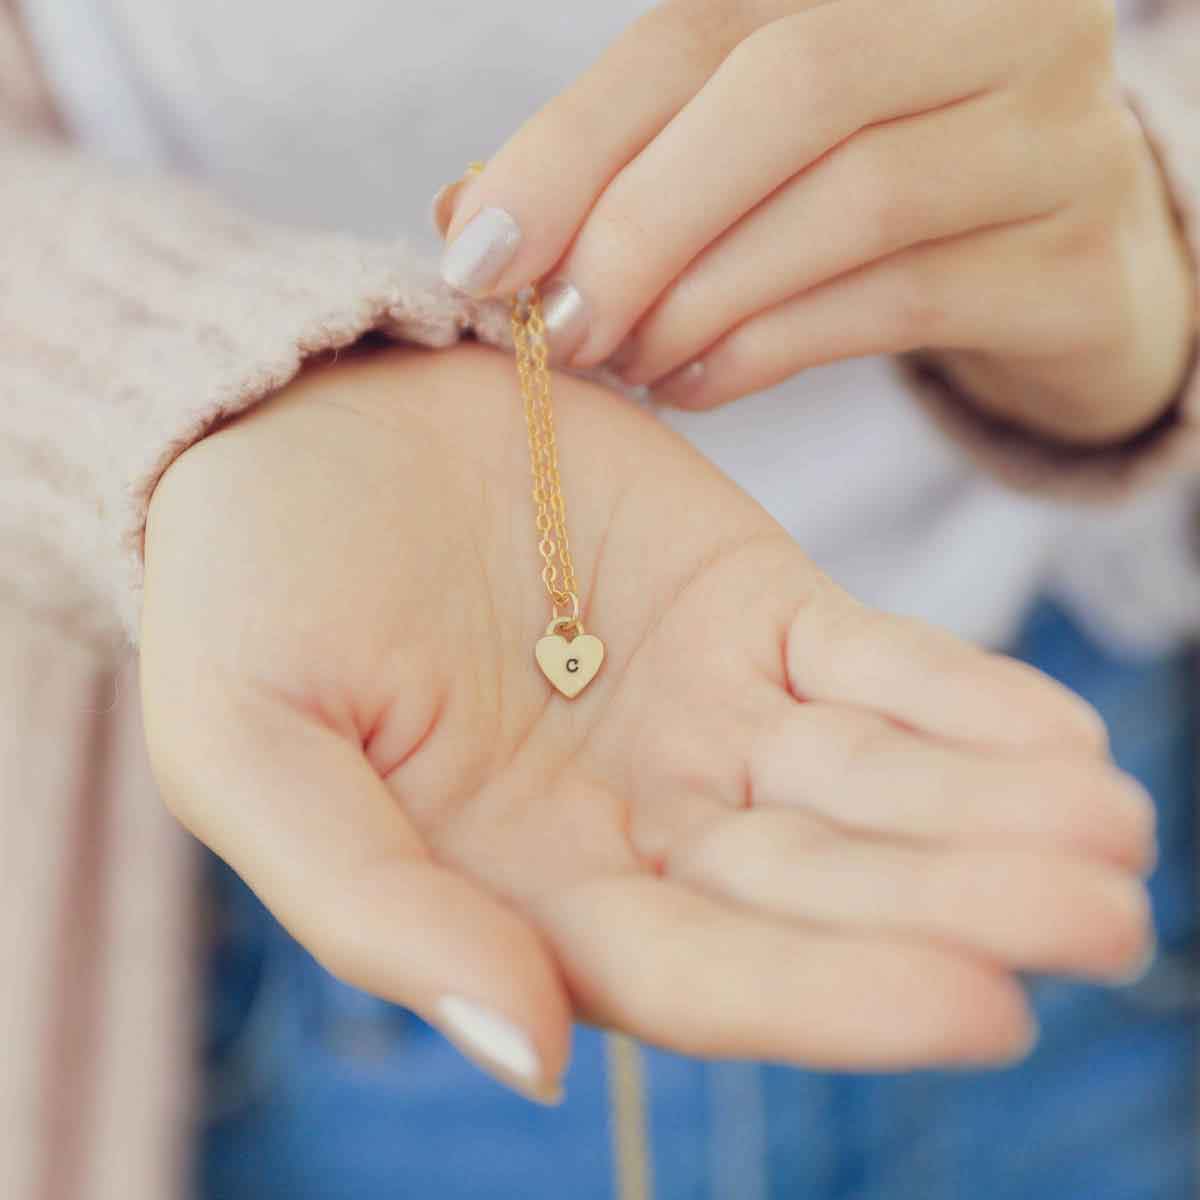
x: 295, y: 808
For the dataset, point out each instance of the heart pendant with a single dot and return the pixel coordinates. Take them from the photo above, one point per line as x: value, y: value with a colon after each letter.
x: 572, y: 665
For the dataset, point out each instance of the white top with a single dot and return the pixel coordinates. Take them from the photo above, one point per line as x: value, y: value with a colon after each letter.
x: 351, y: 114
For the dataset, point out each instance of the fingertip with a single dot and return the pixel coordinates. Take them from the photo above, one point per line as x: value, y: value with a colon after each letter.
x: 1141, y: 967
x: 1026, y: 1042
x: 1137, y: 805
x: 964, y: 1013
x: 1130, y: 944
x: 442, y: 206
x: 1099, y: 811
x: 462, y: 203
x: 1005, y: 1031
x: 1084, y: 725
x: 501, y: 1047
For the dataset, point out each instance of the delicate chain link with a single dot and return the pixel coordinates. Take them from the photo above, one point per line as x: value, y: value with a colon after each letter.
x: 529, y: 338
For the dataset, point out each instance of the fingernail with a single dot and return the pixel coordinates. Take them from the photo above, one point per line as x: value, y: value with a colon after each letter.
x: 441, y: 207
x: 496, y: 1045
x: 682, y: 386
x: 564, y: 312
x: 478, y: 256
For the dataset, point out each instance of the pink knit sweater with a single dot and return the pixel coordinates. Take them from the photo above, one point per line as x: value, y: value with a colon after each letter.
x: 135, y: 313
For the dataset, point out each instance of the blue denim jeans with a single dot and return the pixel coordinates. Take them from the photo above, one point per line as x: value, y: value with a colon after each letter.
x: 315, y: 1091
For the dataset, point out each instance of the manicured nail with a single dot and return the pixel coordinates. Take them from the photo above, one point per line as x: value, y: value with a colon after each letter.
x: 682, y: 386
x: 478, y: 256
x: 497, y: 1046
x: 565, y: 314
x: 623, y: 355
x: 441, y: 207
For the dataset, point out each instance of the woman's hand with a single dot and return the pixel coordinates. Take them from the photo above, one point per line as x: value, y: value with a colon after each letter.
x: 776, y: 824
x: 756, y: 188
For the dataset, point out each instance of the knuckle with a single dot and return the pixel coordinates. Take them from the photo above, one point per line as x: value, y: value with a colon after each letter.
x: 788, y: 58
x: 754, y: 60
x: 744, y: 354
x: 694, y: 28
x: 619, y: 236
x: 852, y: 638
x: 570, y: 118
x: 918, y: 314
x: 861, y: 643
x: 866, y: 741
x: 723, y: 851
x: 888, y: 210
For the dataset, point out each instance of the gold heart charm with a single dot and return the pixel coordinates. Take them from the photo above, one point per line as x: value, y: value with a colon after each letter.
x: 572, y: 665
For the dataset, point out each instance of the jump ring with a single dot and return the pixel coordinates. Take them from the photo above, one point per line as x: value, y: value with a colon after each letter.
x: 574, y: 606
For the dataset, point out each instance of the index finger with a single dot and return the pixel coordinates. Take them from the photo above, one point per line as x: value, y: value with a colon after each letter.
x: 654, y: 171
x: 549, y: 173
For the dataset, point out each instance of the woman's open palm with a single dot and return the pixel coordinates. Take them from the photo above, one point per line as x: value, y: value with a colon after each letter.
x: 776, y: 824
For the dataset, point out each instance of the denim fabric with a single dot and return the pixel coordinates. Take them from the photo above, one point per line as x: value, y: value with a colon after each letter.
x: 316, y: 1091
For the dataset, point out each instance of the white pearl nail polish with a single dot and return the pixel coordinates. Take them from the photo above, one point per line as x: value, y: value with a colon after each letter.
x: 483, y: 249
x: 495, y: 1043
x: 565, y: 314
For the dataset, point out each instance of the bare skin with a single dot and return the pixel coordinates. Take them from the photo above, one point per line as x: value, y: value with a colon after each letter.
x: 760, y: 187
x: 776, y: 824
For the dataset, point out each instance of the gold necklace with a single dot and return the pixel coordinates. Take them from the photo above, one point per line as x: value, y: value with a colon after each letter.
x: 570, y: 664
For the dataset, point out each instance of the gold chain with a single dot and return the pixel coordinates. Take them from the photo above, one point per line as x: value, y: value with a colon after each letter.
x: 569, y: 664
x: 529, y: 337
